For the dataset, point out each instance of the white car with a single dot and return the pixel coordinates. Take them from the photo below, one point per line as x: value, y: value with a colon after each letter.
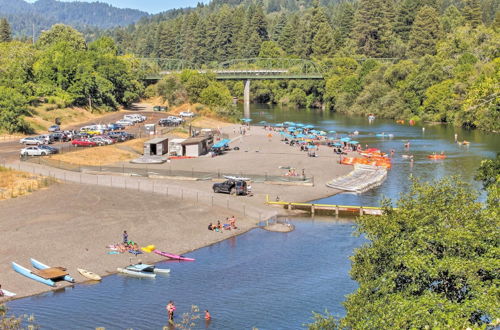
x: 135, y: 118
x: 32, y: 140
x: 125, y: 122
x: 187, y: 114
x: 34, y: 151
x: 175, y: 119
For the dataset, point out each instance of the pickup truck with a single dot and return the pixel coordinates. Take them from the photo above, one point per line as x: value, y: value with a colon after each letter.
x: 238, y: 187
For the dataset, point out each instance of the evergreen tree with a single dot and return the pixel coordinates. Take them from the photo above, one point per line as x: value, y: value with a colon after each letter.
x: 5, y: 32
x: 288, y: 36
x: 258, y: 22
x: 473, y: 13
x: 318, y: 18
x: 406, y: 15
x: 303, y: 43
x: 345, y: 20
x: 165, y: 46
x: 324, y: 43
x: 278, y: 27
x: 372, y: 30
x: 424, y: 33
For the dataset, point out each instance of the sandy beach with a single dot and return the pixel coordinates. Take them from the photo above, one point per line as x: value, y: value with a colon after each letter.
x: 70, y: 224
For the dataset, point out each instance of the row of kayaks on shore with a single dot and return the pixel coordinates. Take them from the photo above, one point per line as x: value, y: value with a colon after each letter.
x: 49, y: 275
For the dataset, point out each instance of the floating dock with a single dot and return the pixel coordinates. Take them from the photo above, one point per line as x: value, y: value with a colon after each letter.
x: 328, y: 209
x: 363, y: 178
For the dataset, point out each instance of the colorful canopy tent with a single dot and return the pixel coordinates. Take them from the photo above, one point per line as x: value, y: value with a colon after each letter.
x: 221, y: 144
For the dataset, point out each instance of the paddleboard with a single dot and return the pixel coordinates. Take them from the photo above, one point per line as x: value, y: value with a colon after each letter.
x: 89, y: 275
x: 173, y: 256
x: 7, y: 293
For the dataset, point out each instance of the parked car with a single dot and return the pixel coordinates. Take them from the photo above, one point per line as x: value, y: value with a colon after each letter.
x: 115, y: 127
x: 49, y: 149
x: 188, y: 114
x: 238, y: 187
x: 83, y: 143
x: 59, y: 136
x: 137, y: 118
x: 159, y: 108
x: 54, y: 128
x: 70, y: 134
x: 32, y: 140
x: 101, y: 141
x: 47, y: 138
x: 125, y: 122
x: 34, y: 151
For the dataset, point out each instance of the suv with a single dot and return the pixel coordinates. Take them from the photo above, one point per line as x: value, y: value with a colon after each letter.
x: 238, y: 187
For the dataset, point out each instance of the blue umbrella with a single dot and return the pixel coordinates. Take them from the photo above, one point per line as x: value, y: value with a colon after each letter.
x: 311, y: 146
x: 263, y: 122
x: 345, y: 139
x: 300, y: 136
x: 337, y: 144
x: 291, y: 128
x: 278, y: 125
x: 322, y: 133
x: 309, y: 126
x: 299, y: 124
x: 333, y: 132
x: 354, y: 142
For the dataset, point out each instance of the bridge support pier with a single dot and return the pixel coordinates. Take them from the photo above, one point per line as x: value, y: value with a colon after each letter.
x: 246, y: 100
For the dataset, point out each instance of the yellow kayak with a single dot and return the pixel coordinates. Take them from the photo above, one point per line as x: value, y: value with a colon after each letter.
x: 89, y: 275
x: 148, y: 249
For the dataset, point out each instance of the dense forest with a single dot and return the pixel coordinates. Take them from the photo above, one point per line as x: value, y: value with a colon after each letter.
x: 442, y: 55
x: 42, y: 14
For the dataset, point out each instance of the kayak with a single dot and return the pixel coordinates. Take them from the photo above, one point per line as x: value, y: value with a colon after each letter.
x: 173, y: 256
x: 148, y: 248
x: 136, y: 274
x: 89, y: 275
x: 7, y: 293
x: 436, y: 156
x: 26, y: 272
x: 38, y: 265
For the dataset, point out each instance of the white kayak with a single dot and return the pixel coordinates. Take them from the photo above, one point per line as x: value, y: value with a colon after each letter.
x: 161, y: 271
x: 136, y: 274
x: 7, y: 293
x: 89, y: 275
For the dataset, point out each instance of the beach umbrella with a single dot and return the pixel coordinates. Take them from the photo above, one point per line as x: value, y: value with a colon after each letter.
x: 322, y: 133
x: 309, y: 126
x: 311, y: 146
x: 300, y: 136
x: 263, y: 122
x: 299, y: 124
x: 336, y: 144
x: 278, y: 125
x: 291, y: 129
x: 345, y: 139
x: 332, y: 132
x: 354, y: 142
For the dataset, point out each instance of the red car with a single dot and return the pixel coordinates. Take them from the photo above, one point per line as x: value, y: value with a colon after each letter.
x: 83, y: 143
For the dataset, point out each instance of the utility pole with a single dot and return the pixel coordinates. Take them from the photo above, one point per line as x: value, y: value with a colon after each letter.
x: 33, y: 33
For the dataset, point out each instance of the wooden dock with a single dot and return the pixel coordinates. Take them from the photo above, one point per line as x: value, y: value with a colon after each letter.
x: 327, y: 209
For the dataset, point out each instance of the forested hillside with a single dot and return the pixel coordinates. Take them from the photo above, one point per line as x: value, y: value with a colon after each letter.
x: 41, y: 15
x: 65, y: 71
x: 443, y: 55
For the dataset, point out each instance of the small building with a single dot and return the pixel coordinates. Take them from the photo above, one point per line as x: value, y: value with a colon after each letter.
x: 175, y: 147
x: 156, y: 147
x: 196, y: 146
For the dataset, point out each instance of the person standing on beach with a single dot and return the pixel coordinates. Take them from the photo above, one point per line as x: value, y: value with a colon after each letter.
x: 125, y: 237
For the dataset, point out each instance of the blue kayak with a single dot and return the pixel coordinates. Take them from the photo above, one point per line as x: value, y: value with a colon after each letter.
x: 38, y: 265
x: 26, y: 272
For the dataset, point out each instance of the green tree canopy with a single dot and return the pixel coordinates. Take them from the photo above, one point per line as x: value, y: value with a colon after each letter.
x: 5, y: 31
x: 62, y: 33
x: 425, y: 32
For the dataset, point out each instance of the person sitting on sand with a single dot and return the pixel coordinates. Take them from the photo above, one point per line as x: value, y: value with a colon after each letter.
x: 219, y: 226
x: 1, y: 292
x: 232, y: 222
x: 210, y: 227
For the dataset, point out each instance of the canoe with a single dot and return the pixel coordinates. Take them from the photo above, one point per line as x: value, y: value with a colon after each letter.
x: 38, y: 265
x: 173, y: 256
x: 26, y: 272
x: 89, y: 275
x: 7, y: 293
x: 148, y: 269
x: 136, y: 274
x: 436, y: 156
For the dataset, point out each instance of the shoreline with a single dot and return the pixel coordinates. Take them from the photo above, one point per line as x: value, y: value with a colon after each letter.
x: 102, y: 210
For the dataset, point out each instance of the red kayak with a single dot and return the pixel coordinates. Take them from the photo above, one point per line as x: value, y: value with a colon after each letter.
x: 173, y: 256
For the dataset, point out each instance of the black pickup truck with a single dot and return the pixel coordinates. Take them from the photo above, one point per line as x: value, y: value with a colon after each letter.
x: 238, y: 187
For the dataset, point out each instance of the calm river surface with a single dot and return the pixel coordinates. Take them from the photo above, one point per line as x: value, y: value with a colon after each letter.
x: 263, y: 279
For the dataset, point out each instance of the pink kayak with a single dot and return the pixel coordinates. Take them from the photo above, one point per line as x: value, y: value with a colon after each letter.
x: 172, y: 256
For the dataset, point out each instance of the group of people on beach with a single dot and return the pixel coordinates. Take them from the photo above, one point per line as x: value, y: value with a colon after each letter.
x: 219, y: 227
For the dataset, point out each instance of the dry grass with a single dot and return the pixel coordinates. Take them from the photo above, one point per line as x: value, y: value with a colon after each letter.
x: 14, y: 183
x: 45, y: 115
x: 105, y: 155
x: 207, y: 122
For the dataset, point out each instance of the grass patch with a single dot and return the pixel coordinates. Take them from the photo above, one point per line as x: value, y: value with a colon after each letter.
x: 15, y: 183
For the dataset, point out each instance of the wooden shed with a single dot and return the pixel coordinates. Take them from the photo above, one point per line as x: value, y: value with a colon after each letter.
x: 196, y: 146
x: 156, y: 147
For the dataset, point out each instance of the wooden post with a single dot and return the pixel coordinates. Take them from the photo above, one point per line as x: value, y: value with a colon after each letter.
x: 336, y: 210
x: 312, y: 209
x: 361, y: 210
x: 289, y: 206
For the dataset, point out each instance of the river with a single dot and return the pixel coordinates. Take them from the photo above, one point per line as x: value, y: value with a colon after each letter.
x: 263, y: 279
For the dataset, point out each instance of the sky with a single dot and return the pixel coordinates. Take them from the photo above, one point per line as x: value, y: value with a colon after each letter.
x: 150, y: 6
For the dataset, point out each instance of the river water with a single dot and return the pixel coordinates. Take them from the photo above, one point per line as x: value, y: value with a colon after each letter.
x: 263, y: 279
